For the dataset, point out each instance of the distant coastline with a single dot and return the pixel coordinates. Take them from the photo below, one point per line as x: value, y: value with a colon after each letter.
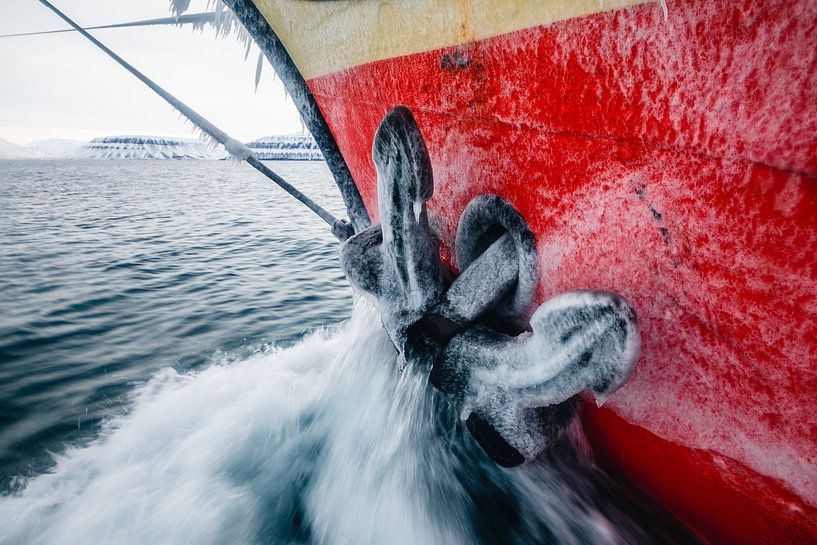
x: 292, y: 147
x: 287, y: 148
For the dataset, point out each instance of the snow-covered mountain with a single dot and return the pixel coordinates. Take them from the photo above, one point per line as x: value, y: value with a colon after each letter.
x: 55, y: 148
x: 295, y: 147
x: 145, y: 147
x: 13, y: 151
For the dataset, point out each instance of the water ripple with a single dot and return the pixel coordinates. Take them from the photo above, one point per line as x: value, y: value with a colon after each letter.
x: 111, y: 270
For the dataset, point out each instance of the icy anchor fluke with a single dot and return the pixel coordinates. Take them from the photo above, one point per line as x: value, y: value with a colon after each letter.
x: 515, y: 380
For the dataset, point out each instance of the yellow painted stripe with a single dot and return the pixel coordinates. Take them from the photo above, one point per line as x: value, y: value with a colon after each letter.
x: 324, y: 37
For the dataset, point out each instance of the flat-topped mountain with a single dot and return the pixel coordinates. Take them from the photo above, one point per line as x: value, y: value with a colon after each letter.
x: 145, y: 147
x: 295, y: 147
x: 286, y: 147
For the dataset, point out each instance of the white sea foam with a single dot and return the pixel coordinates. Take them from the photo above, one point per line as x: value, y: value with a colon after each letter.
x: 322, y: 442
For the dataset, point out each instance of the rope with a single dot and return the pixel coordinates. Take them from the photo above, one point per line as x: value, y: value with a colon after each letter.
x: 191, y: 18
x: 233, y: 146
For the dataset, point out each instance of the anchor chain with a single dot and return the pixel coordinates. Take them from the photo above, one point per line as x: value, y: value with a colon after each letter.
x: 515, y: 374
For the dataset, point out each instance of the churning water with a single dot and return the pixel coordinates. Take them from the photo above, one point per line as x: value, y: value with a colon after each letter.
x: 179, y: 366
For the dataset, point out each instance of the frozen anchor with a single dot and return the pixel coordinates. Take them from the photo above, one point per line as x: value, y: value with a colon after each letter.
x: 516, y: 380
x: 519, y: 392
x: 397, y: 261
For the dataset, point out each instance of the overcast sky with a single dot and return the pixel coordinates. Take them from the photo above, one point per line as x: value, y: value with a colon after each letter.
x: 61, y: 86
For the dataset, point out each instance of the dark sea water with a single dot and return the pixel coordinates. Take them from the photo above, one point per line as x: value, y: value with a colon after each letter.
x: 111, y: 270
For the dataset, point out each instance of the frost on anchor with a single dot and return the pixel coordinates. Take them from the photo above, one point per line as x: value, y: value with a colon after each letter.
x: 517, y: 393
x: 397, y: 261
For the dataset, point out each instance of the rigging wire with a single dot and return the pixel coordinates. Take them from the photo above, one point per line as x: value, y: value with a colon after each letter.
x: 191, y: 18
x: 340, y: 228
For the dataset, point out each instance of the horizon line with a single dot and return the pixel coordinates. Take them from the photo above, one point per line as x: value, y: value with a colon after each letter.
x: 90, y: 134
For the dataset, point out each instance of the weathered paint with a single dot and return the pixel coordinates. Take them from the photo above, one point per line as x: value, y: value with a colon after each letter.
x: 324, y: 37
x: 672, y: 160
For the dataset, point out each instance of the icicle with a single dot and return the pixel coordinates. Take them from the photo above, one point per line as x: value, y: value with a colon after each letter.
x: 179, y: 6
x: 258, y: 68
x: 224, y: 23
x: 209, y: 142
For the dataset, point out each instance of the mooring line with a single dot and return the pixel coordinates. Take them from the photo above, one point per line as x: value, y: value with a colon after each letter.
x: 234, y: 147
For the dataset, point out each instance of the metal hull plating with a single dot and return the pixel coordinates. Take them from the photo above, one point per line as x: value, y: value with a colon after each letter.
x: 670, y: 158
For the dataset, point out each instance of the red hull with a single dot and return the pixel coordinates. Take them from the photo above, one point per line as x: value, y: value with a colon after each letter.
x: 672, y: 161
